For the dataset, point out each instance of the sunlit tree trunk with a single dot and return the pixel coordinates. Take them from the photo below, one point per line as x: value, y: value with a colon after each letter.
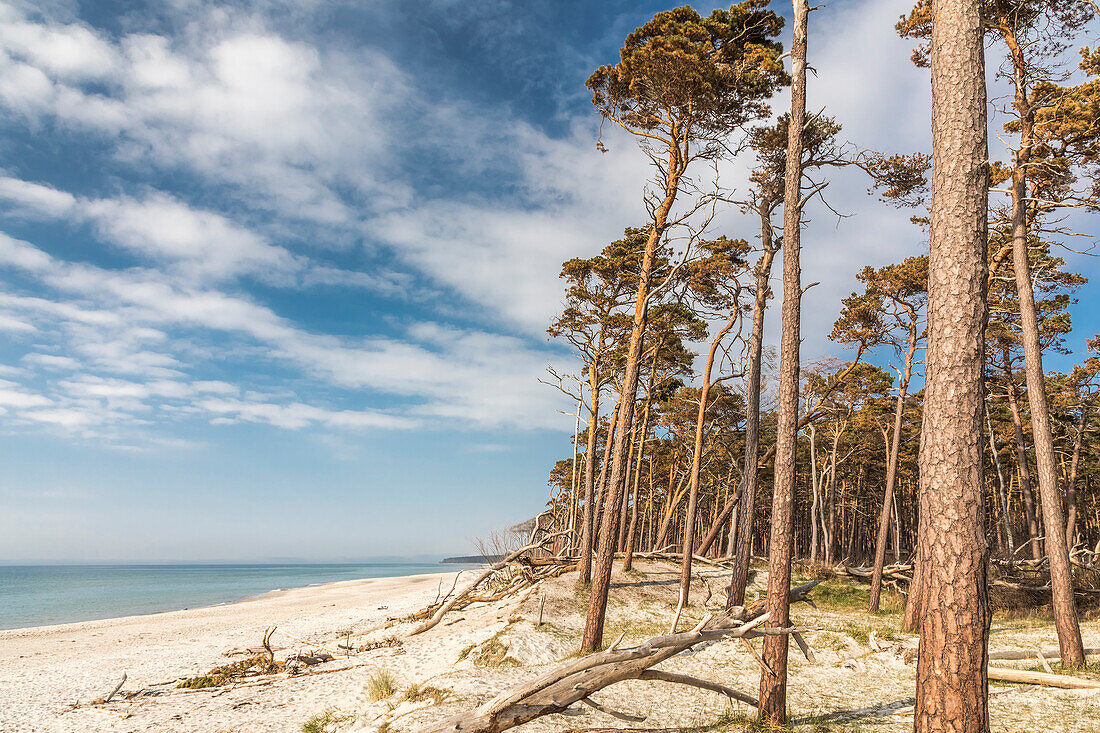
x: 688, y: 547
x: 952, y: 688
x: 1054, y: 528
x: 892, y: 471
x: 773, y: 681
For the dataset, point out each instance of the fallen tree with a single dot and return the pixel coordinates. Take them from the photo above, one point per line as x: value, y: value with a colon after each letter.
x: 524, y: 574
x: 575, y: 682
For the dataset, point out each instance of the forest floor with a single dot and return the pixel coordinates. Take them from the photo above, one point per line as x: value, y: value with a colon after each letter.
x: 862, y: 679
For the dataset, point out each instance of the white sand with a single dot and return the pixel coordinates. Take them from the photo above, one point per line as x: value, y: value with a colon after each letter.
x: 45, y: 670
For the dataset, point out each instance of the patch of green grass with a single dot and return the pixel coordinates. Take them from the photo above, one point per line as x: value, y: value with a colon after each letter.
x: 381, y: 685
x: 327, y: 722
x: 466, y: 651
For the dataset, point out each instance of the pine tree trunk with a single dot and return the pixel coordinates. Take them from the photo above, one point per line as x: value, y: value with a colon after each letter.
x: 688, y: 548
x: 773, y: 683
x: 741, y: 541
x: 891, y: 474
x: 628, y: 561
x: 1022, y: 464
x: 601, y: 577
x: 1006, y: 519
x: 584, y: 570
x: 952, y: 688
x: 1071, y: 481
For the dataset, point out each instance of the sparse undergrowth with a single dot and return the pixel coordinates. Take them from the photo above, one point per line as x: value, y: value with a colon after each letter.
x: 258, y: 664
x: 417, y: 692
x: 328, y: 722
x: 381, y: 685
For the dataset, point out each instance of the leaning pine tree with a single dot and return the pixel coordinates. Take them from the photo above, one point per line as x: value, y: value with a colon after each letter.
x: 682, y: 85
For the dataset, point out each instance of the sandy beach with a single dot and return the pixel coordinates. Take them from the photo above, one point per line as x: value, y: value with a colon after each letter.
x: 46, y: 670
x: 860, y: 680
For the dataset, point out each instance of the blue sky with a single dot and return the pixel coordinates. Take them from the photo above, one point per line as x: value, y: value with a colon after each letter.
x: 275, y: 277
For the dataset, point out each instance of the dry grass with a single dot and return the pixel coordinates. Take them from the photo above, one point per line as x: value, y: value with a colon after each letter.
x: 327, y: 722
x: 381, y: 685
x: 416, y: 693
x: 259, y: 664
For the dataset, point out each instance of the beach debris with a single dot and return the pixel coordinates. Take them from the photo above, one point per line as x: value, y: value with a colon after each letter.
x: 576, y: 681
x: 522, y: 573
x: 1046, y: 679
x: 110, y: 696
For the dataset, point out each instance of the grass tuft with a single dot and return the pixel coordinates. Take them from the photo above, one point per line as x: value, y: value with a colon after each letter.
x: 381, y: 685
x: 327, y: 722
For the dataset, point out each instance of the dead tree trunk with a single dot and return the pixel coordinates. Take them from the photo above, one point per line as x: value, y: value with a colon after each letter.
x: 576, y: 681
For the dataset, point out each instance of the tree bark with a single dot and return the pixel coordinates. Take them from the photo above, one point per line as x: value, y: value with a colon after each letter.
x: 773, y: 681
x: 952, y: 689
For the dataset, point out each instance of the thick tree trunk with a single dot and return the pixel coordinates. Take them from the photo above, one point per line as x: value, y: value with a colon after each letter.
x: 891, y: 473
x: 952, y: 689
x: 742, y: 541
x: 773, y: 681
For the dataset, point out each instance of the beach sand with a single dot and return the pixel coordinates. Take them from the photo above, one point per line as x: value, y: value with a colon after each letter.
x: 45, y: 670
x: 861, y: 680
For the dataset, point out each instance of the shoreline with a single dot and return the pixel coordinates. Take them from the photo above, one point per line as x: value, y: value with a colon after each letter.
x: 249, y: 596
x: 49, y: 674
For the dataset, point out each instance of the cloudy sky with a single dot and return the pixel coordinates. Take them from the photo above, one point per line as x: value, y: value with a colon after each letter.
x: 276, y: 276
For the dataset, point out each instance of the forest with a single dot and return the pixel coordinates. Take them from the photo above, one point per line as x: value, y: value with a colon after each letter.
x: 938, y: 457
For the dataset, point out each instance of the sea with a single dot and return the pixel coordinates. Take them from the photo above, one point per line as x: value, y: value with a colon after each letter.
x: 38, y: 595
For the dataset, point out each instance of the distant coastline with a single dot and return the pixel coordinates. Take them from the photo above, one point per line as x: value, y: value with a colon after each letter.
x: 471, y: 559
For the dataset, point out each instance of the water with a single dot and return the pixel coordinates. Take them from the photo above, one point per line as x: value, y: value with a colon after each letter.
x: 37, y: 595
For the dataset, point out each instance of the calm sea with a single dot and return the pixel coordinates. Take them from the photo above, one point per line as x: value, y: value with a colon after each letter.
x: 36, y: 595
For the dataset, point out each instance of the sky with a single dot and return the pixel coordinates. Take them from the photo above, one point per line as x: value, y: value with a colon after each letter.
x: 275, y: 277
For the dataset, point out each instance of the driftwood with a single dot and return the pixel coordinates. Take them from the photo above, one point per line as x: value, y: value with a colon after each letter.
x: 1043, y: 678
x: 468, y: 589
x: 1033, y: 653
x: 118, y: 687
x: 576, y: 681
